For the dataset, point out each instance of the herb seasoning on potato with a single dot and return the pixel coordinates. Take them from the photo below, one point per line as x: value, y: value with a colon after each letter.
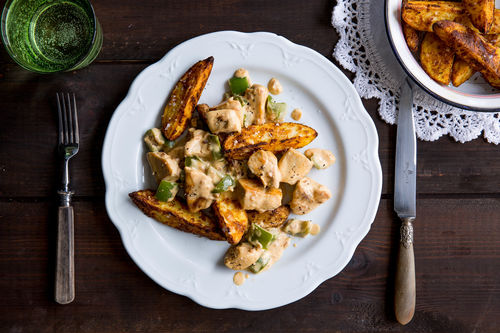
x: 461, y: 39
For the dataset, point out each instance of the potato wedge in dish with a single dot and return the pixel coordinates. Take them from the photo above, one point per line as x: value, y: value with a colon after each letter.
x: 411, y: 36
x: 493, y: 80
x: 481, y: 13
x: 470, y: 46
x: 421, y: 15
x: 176, y: 214
x: 270, y: 136
x: 436, y: 58
x: 183, y: 98
x: 270, y: 219
x: 495, y: 27
x: 232, y: 219
x: 461, y: 72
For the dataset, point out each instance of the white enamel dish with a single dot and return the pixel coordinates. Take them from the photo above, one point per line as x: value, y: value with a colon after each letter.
x: 192, y: 266
x: 475, y: 94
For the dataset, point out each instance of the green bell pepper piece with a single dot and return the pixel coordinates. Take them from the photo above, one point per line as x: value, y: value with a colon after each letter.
x: 260, y: 263
x: 297, y: 228
x: 215, y: 147
x: 166, y: 190
x: 243, y: 101
x: 276, y: 110
x: 238, y: 85
x: 259, y: 235
x: 191, y: 160
x: 224, y: 184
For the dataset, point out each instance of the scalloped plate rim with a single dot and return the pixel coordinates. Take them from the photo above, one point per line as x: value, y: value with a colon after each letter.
x: 372, y: 156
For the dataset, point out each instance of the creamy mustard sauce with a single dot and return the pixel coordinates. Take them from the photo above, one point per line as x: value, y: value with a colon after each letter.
x: 315, y: 229
x: 296, y: 114
x: 239, y: 278
x: 207, y: 168
x: 274, y: 86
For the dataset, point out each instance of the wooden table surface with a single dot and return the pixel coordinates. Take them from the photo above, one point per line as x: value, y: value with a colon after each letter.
x: 458, y: 202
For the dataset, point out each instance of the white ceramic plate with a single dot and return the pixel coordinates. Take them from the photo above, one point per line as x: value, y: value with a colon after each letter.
x: 192, y: 266
x: 475, y: 94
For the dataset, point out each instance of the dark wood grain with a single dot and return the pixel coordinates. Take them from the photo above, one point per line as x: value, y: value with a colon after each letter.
x: 457, y: 278
x: 443, y: 167
x: 457, y: 234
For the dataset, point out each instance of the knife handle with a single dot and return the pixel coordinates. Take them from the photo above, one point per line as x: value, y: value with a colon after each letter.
x: 405, y: 293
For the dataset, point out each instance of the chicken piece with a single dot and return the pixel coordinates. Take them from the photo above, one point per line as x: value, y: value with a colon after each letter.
x: 202, y: 110
x: 232, y: 104
x: 294, y: 166
x: 214, y: 174
x: 277, y: 247
x: 308, y: 195
x: 321, y: 158
x: 163, y: 166
x: 198, y: 190
x: 241, y: 256
x: 154, y: 139
x: 264, y: 165
x: 223, y: 121
x: 253, y: 196
x: 257, y: 97
x: 177, y: 153
x: 238, y: 169
x: 198, y: 144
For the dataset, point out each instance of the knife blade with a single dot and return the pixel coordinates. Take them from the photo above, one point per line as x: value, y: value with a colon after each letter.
x: 406, y: 156
x: 405, y: 205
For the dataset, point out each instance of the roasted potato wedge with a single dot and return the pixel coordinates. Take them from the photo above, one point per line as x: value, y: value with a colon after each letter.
x: 271, y: 137
x: 270, y: 219
x: 176, y: 214
x: 183, y: 99
x: 495, y: 27
x: 461, y: 72
x: 411, y: 36
x: 481, y: 13
x: 465, y: 20
x: 493, y: 80
x: 232, y: 218
x: 421, y: 15
x: 470, y: 46
x: 436, y: 58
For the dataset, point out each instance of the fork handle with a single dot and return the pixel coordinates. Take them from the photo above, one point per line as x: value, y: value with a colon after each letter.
x: 65, y: 265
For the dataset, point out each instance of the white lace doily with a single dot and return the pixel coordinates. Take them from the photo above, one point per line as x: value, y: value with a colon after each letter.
x: 363, y: 48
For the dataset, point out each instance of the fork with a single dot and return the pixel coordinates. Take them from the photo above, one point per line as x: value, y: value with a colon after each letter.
x: 68, y: 144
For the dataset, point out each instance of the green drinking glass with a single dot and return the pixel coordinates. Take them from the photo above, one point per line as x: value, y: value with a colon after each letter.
x: 48, y: 36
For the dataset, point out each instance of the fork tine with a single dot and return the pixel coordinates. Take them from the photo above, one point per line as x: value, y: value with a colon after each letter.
x: 75, y: 121
x: 60, y: 121
x: 71, y: 132
x: 65, y: 121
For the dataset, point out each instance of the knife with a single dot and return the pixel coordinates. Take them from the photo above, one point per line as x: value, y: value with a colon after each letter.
x: 405, y: 205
